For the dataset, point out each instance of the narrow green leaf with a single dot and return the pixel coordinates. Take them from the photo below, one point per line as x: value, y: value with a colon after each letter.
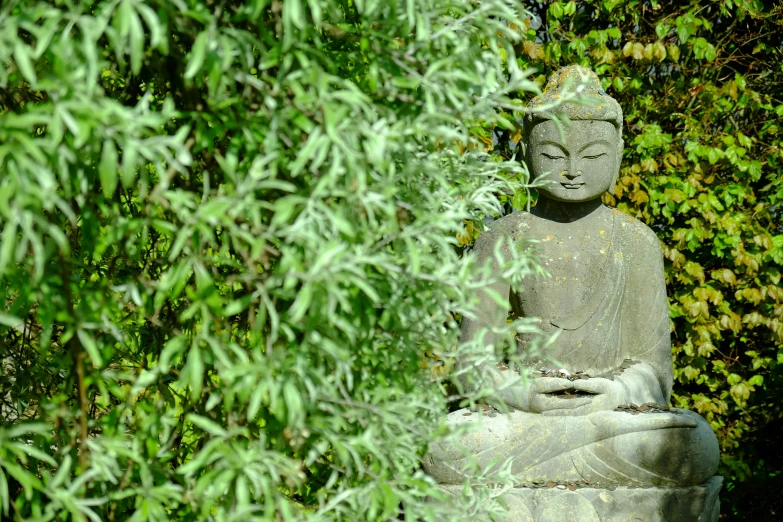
x: 36, y: 453
x: 8, y: 244
x: 173, y: 348
x: 25, y: 428
x: 4, y: 494
x: 107, y: 168
x: 145, y: 379
x: 91, y: 347
x: 29, y: 481
x: 293, y: 12
x: 136, y: 43
x: 22, y: 58
x: 293, y: 403
x: 255, y: 402
x: 153, y: 24
x: 122, y: 19
x: 129, y: 163
x: 208, y: 425
x: 194, y: 371
x: 315, y: 11
x: 62, y: 473
x: 10, y: 320
x: 197, y: 55
x: 238, y: 305
x: 302, y: 303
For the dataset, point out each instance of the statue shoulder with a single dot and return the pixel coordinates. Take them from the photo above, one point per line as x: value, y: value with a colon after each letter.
x: 512, y: 225
x: 637, y: 233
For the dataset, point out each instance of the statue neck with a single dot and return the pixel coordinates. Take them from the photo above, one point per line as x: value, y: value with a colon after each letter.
x: 563, y: 212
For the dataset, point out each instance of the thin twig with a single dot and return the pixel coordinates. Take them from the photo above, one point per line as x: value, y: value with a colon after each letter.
x: 77, y: 352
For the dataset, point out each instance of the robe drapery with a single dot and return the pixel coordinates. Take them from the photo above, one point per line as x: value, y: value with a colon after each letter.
x: 625, y: 316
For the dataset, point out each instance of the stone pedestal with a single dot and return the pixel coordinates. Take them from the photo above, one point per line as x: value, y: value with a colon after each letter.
x: 621, y: 504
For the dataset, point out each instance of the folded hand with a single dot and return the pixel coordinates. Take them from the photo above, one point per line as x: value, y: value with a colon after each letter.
x: 556, y: 396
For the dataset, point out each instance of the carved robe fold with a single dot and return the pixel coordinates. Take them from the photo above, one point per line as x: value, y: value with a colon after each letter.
x: 624, y: 317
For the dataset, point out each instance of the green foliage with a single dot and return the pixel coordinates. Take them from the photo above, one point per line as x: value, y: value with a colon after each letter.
x: 700, y: 84
x: 229, y: 235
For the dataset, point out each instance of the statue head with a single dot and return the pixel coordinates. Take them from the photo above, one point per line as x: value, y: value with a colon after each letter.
x: 582, y: 161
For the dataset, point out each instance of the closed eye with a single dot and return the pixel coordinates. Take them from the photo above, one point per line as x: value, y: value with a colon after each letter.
x: 594, y: 156
x: 551, y: 157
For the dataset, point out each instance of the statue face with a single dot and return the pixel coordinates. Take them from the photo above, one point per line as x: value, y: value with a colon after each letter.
x: 580, y: 167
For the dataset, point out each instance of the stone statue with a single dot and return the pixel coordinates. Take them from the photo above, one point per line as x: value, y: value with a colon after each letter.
x: 601, y: 418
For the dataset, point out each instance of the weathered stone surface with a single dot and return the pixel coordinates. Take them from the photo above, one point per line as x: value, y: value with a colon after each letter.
x: 621, y: 504
x: 601, y: 415
x: 606, y: 448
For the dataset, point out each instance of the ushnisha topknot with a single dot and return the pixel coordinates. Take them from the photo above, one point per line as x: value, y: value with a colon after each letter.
x: 600, y: 106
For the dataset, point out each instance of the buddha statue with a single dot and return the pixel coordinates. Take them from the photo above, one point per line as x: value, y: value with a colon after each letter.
x: 603, y: 420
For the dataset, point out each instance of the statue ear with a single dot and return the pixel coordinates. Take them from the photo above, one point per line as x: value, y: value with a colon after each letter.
x: 521, y: 153
x: 613, y: 184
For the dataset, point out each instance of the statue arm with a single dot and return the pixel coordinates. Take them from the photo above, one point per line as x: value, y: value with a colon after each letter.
x: 647, y: 334
x: 490, y: 315
x: 642, y: 384
x: 636, y: 383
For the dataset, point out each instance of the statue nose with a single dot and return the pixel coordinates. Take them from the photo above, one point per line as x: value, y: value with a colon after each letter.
x: 570, y: 174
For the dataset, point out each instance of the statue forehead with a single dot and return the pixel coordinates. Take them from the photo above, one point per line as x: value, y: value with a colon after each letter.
x: 577, y: 132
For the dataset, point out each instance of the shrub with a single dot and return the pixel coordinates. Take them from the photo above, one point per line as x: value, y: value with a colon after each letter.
x: 229, y: 236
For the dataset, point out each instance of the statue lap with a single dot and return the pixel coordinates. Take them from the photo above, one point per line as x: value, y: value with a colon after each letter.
x: 608, y: 448
x: 603, y: 467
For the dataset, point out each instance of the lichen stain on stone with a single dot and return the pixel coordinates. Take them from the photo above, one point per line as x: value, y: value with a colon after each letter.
x: 587, y: 81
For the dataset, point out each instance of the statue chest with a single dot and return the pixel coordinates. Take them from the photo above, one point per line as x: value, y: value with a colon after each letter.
x: 575, y: 259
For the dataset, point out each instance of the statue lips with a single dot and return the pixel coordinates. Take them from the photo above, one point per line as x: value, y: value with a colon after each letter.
x: 572, y: 186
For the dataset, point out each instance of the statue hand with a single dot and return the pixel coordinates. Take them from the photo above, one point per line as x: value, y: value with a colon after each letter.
x: 555, y: 396
x: 548, y: 396
x: 608, y: 394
